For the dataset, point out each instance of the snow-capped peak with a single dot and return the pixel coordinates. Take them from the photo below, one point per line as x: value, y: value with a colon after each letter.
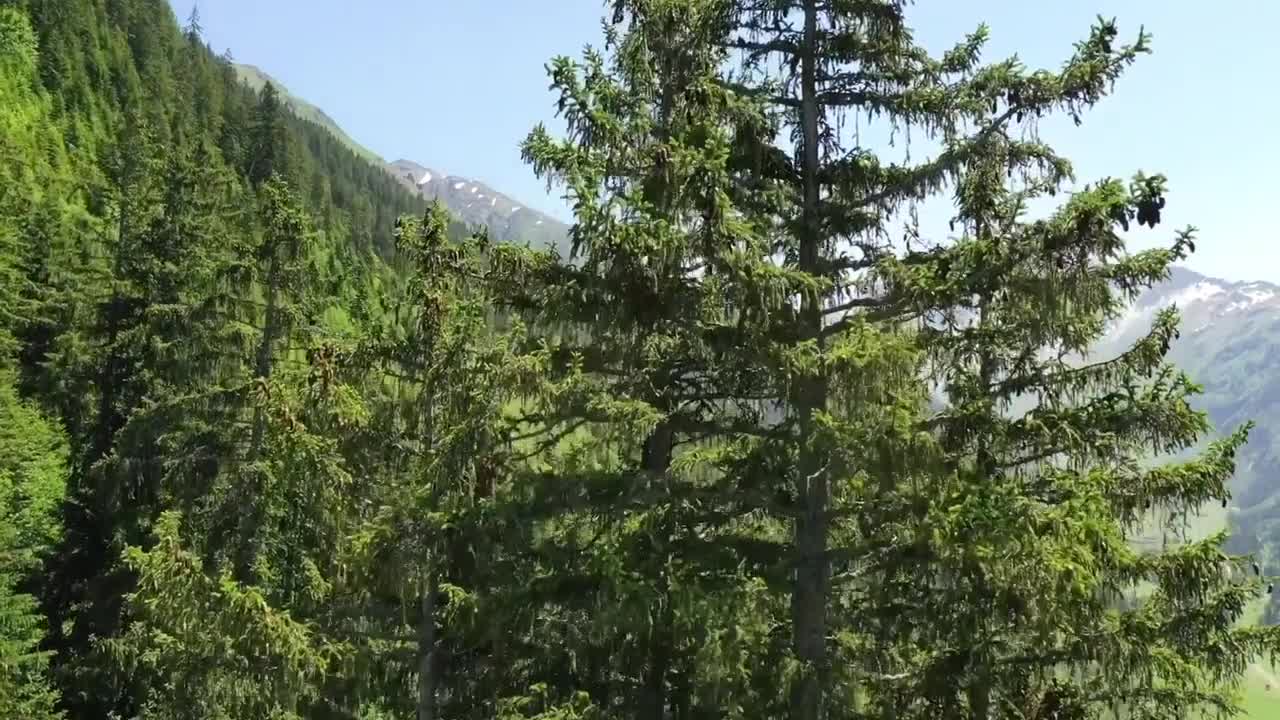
x: 1201, y: 301
x: 1199, y: 292
x: 473, y: 203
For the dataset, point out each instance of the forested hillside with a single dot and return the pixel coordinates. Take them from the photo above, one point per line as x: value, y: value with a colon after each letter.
x: 473, y: 204
x: 168, y: 236
x: 256, y: 78
x: 277, y: 440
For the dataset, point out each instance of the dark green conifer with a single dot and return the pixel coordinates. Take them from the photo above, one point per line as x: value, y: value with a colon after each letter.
x: 267, y: 151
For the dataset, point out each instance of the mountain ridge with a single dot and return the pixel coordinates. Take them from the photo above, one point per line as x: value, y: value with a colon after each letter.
x: 255, y: 77
x: 1201, y: 300
x: 478, y: 204
x: 472, y: 202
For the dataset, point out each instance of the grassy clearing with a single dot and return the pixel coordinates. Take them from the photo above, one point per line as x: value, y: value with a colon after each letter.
x: 1259, y: 702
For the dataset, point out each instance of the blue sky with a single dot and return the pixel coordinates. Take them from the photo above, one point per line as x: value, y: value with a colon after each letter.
x: 457, y: 84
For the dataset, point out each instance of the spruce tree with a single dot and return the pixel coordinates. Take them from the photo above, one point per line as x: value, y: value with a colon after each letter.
x: 1047, y: 465
x: 830, y: 344
x: 647, y: 390
x: 266, y: 151
x: 100, y: 380
x: 942, y: 511
x: 259, y: 302
x: 204, y: 646
x: 815, y: 64
x: 425, y: 557
x: 33, y: 478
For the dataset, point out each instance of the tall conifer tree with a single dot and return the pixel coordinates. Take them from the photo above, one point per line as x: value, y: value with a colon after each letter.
x: 1047, y: 466
x: 832, y: 341
x: 649, y: 390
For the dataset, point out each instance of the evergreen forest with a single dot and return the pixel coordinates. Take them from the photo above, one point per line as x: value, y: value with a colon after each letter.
x: 282, y: 440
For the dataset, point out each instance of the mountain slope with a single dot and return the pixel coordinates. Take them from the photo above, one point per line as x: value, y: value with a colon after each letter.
x: 477, y: 204
x: 473, y: 203
x: 1230, y: 344
x: 255, y: 78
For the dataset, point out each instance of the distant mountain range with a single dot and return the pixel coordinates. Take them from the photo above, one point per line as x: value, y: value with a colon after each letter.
x: 1230, y: 345
x: 477, y: 204
x: 1207, y: 305
x: 470, y: 201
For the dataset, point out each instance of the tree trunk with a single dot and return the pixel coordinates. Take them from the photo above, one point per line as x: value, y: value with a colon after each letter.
x: 262, y: 361
x: 979, y: 690
x: 682, y: 695
x: 812, y: 574
x: 656, y: 455
x: 247, y: 552
x: 656, y: 461
x: 109, y: 378
x: 428, y: 662
x: 660, y: 649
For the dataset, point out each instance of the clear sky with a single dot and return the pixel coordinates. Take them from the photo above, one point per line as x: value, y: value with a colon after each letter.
x: 457, y: 84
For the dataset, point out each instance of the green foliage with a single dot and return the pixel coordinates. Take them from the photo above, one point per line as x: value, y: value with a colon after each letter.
x: 32, y: 486
x: 33, y: 453
x: 134, y: 306
x: 256, y: 79
x: 33, y: 465
x: 655, y: 561
x: 208, y: 647
x: 268, y: 149
x: 428, y: 557
x: 18, y: 43
x: 742, y: 454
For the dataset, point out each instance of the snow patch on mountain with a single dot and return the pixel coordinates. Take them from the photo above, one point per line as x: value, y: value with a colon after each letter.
x: 476, y: 204
x: 1253, y: 297
x: 1199, y: 292
x: 1201, y: 301
x: 1257, y: 296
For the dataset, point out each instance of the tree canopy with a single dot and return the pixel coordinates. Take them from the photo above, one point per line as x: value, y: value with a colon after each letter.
x: 279, y: 441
